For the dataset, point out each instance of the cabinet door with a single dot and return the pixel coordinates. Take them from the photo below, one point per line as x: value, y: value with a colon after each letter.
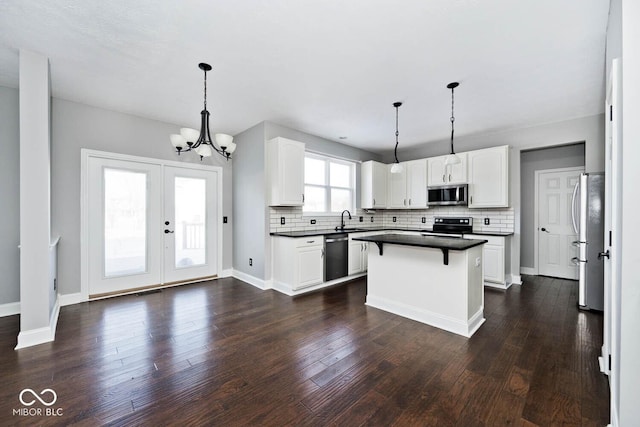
x: 355, y: 257
x: 436, y: 174
x: 457, y: 174
x: 286, y: 171
x: 397, y: 188
x: 417, y: 183
x: 489, y: 178
x: 493, y: 263
x: 373, y: 185
x: 310, y: 266
x: 365, y: 256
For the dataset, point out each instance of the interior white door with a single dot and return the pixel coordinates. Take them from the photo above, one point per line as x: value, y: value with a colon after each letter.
x: 555, y: 231
x: 190, y: 224
x: 124, y: 209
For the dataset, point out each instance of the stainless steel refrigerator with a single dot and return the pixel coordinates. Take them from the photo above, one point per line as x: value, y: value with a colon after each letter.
x: 587, y: 215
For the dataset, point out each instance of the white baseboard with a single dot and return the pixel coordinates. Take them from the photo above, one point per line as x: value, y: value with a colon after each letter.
x: 254, y: 281
x: 516, y: 279
x: 528, y: 270
x: 460, y: 327
x: 9, y: 309
x: 70, y: 299
x: 40, y: 335
x: 502, y: 286
x: 227, y: 272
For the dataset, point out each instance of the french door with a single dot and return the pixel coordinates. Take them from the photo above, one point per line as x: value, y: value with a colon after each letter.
x: 148, y: 224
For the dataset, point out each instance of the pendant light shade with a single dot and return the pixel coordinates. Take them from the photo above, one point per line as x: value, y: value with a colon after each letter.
x: 452, y: 159
x: 396, y: 167
x: 200, y: 141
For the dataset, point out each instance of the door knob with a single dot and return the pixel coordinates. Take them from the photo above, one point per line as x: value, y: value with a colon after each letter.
x: 603, y: 254
x: 167, y: 231
x: 544, y: 229
x: 166, y: 223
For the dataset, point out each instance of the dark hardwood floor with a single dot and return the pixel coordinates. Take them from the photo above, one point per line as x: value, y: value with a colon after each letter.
x: 225, y: 353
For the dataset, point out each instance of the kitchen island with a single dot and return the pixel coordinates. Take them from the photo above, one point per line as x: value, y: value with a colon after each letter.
x: 433, y: 280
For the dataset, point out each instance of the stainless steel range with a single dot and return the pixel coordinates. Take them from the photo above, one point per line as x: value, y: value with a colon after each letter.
x: 451, y: 226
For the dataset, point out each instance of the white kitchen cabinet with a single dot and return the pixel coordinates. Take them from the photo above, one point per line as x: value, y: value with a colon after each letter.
x: 373, y: 185
x: 397, y: 188
x: 439, y: 174
x: 416, y: 184
x: 298, y: 262
x: 285, y: 172
x: 358, y: 253
x: 408, y: 189
x: 496, y: 262
x: 489, y: 177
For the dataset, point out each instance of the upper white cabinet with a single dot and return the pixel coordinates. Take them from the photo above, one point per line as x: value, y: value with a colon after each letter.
x: 489, y: 177
x: 373, y: 185
x: 408, y: 189
x: 439, y: 174
x: 285, y: 166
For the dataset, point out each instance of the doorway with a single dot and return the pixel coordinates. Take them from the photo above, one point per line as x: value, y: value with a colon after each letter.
x: 554, y: 233
x: 147, y: 223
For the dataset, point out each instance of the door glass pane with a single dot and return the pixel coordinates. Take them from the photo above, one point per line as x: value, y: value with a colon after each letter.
x: 190, y: 225
x: 125, y: 222
x: 314, y: 171
x: 340, y: 200
x: 340, y: 175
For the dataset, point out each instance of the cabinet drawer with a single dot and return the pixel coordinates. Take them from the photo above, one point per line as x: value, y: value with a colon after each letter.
x: 491, y: 240
x: 309, y: 241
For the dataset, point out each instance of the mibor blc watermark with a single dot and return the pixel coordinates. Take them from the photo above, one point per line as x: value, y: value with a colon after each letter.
x: 43, y: 404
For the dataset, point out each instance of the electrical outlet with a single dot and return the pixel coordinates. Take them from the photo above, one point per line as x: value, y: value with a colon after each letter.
x: 478, y: 261
x: 281, y: 220
x: 224, y: 220
x: 487, y: 221
x: 313, y: 221
x: 424, y: 220
x: 361, y: 218
x: 371, y: 219
x: 55, y: 283
x: 250, y: 262
x: 394, y: 219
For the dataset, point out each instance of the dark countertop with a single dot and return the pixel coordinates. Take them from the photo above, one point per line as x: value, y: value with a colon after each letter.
x: 325, y: 232
x: 451, y: 243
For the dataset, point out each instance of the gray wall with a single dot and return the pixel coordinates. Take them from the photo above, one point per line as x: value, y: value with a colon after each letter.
x: 530, y: 162
x: 9, y: 196
x: 76, y: 126
x: 249, y: 203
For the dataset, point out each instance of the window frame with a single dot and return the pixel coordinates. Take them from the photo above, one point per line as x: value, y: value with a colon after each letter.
x: 328, y: 160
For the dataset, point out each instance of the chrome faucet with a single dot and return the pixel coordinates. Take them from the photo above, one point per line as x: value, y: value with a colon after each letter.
x: 342, y: 219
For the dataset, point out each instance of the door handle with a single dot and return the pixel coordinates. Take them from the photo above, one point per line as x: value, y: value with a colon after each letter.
x: 449, y: 177
x: 322, y: 253
x: 443, y: 177
x: 166, y: 231
x: 604, y: 254
x: 575, y: 243
x: 575, y: 260
x: 545, y: 230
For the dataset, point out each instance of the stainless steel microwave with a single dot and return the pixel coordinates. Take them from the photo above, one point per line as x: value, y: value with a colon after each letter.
x: 446, y: 195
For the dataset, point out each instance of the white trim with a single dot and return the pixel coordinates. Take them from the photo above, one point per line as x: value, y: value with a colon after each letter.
x: 254, y: 281
x: 71, y: 299
x: 9, y: 309
x: 85, y: 154
x: 227, y: 272
x: 40, y: 335
x: 516, y: 279
x: 495, y: 285
x: 466, y: 329
x: 528, y: 270
x: 536, y: 208
x: 286, y: 289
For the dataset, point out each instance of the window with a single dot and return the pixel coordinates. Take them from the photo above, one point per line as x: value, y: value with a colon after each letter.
x: 329, y: 184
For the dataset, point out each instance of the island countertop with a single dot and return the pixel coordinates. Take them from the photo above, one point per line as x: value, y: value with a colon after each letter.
x: 438, y: 242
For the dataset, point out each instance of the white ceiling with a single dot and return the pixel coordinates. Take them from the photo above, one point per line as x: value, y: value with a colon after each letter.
x: 330, y: 68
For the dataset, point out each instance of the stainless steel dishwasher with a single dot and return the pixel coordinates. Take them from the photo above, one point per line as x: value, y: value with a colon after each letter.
x: 336, y: 256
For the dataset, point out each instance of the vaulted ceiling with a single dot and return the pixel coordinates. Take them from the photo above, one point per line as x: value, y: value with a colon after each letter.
x: 332, y: 68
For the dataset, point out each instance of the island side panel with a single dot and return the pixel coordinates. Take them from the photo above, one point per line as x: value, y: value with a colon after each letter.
x: 413, y: 282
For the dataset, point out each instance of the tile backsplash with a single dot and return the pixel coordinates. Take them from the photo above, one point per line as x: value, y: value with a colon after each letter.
x: 499, y: 219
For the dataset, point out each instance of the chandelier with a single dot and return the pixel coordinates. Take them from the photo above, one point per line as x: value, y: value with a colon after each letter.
x: 201, y: 142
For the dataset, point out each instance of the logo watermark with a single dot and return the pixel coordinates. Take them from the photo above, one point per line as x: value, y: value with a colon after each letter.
x: 28, y: 397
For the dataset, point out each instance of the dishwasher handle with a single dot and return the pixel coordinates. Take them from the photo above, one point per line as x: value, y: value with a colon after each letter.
x: 337, y: 239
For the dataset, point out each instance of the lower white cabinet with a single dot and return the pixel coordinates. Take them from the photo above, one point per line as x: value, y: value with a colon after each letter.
x: 496, y: 262
x: 298, y: 262
x: 358, y: 254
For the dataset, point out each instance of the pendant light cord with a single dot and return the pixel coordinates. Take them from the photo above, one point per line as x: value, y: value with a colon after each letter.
x: 395, y: 151
x: 205, y: 89
x: 453, y: 119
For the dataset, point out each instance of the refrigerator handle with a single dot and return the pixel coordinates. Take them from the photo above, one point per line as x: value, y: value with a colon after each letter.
x: 573, y: 207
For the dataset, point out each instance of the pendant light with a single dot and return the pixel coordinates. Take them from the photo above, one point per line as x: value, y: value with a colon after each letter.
x: 452, y: 159
x: 396, y: 167
x: 200, y: 142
